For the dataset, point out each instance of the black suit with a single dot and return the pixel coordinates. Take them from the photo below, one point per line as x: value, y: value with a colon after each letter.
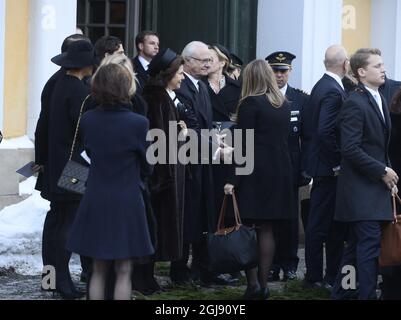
x: 363, y: 199
x: 141, y: 73
x: 323, y: 155
x: 286, y: 234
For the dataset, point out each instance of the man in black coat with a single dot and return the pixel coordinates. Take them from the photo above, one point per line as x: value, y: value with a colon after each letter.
x: 323, y: 166
x: 366, y: 180
x: 199, y: 212
x: 286, y: 235
x: 41, y: 160
x: 147, y: 46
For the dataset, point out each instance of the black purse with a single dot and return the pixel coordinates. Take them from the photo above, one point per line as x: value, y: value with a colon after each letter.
x: 232, y: 249
x: 74, y: 175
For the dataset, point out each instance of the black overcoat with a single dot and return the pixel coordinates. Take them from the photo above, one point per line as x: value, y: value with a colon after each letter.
x: 365, y: 136
x: 199, y: 213
x: 266, y: 194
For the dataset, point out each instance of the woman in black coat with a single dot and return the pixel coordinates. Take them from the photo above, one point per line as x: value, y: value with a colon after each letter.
x: 167, y: 183
x: 69, y: 93
x: 224, y: 94
x: 111, y: 223
x: 264, y: 196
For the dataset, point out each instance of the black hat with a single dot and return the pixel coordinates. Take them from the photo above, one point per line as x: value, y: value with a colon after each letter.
x: 80, y: 54
x: 223, y: 50
x: 161, y: 61
x: 280, y: 60
x: 236, y: 61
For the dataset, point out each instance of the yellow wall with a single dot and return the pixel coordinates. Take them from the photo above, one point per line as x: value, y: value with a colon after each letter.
x: 16, y: 68
x: 356, y: 24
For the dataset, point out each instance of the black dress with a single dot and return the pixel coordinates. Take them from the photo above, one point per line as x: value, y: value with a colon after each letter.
x: 265, y: 194
x: 167, y: 183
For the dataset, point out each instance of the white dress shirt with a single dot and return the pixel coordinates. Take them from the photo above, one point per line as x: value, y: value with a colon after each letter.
x: 194, y: 81
x: 145, y: 63
x: 378, y: 99
x: 284, y: 89
x: 173, y: 96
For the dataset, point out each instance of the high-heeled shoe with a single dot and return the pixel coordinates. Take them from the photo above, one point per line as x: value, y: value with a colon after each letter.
x: 251, y: 293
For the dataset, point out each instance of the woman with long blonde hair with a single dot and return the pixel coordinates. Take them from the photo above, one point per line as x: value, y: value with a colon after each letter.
x: 264, y: 196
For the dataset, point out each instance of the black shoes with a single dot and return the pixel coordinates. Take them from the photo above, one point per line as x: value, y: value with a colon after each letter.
x: 256, y: 293
x: 274, y: 275
x: 290, y: 275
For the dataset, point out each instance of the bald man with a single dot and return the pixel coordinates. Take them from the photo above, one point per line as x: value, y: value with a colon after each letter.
x: 323, y: 165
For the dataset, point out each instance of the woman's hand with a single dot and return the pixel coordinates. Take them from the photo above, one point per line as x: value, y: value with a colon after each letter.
x: 228, y: 188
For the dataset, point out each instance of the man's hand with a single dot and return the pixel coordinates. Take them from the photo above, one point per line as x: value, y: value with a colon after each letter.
x: 226, y: 153
x: 228, y: 188
x: 390, y: 178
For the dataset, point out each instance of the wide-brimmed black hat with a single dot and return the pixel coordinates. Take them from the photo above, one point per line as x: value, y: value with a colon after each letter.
x: 280, y: 60
x: 223, y: 50
x: 235, y: 60
x: 80, y: 54
x: 161, y: 61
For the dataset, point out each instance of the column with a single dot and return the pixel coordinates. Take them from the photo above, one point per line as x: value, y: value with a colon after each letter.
x: 304, y: 27
x: 2, y: 42
x: 386, y: 34
x: 51, y: 21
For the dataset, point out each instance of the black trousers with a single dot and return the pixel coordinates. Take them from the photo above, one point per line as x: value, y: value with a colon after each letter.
x: 48, y: 237
x: 65, y: 214
x: 323, y: 230
x: 286, y: 237
x: 362, y: 252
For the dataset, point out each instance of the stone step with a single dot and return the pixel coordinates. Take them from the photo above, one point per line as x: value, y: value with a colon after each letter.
x: 6, y: 201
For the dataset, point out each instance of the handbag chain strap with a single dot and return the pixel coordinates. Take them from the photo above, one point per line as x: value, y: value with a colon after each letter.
x: 77, y: 128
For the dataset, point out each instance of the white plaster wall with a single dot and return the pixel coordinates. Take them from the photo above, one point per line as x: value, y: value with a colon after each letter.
x: 51, y: 21
x: 304, y: 27
x: 2, y: 44
x: 386, y: 34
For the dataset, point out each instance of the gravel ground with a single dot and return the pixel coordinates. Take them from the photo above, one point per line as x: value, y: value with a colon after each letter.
x: 14, y: 286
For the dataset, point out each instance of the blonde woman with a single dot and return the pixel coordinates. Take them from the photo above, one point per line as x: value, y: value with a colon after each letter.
x: 264, y: 196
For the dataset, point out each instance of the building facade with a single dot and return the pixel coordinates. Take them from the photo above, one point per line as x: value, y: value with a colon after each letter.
x: 31, y: 32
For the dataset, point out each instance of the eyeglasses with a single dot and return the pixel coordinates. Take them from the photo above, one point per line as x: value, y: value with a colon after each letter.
x: 204, y: 61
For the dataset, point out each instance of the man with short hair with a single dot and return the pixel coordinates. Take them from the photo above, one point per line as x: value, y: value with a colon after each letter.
x: 366, y: 180
x: 199, y: 211
x: 147, y: 46
x: 323, y: 164
x: 108, y: 45
x: 286, y: 234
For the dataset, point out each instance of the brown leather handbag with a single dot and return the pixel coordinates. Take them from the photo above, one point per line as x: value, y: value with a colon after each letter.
x: 234, y: 248
x: 390, y: 254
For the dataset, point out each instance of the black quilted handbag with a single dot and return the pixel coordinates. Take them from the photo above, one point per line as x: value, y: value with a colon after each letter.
x: 232, y: 249
x: 74, y: 175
